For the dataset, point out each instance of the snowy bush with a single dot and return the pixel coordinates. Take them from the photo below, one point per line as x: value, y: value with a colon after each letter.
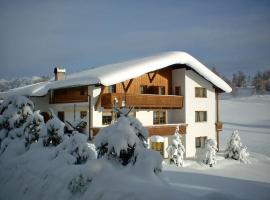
x: 55, y: 131
x: 79, y: 184
x: 34, y: 128
x: 176, y: 150
x: 235, y: 148
x: 77, y: 148
x: 210, y: 152
x: 15, y: 112
x: 123, y: 141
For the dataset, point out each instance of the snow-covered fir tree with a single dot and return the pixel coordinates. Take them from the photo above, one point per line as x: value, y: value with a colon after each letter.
x: 15, y: 112
x: 235, y: 149
x: 210, y: 150
x: 55, y: 131
x: 76, y: 149
x: 176, y: 150
x: 125, y: 142
x: 35, y: 127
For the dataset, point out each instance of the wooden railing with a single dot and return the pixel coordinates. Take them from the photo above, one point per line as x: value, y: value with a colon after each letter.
x: 142, y: 100
x: 219, y: 126
x: 163, y: 130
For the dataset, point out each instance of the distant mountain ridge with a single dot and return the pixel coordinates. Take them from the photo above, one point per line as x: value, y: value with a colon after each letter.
x: 19, y: 82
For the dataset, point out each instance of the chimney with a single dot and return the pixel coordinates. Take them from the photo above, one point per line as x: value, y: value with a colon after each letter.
x: 59, y: 74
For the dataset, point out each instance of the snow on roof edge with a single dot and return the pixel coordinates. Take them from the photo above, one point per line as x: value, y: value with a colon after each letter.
x: 119, y: 72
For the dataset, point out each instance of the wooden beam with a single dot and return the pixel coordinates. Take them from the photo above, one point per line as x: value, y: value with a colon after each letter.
x: 128, y: 85
x: 99, y: 97
x: 151, y: 78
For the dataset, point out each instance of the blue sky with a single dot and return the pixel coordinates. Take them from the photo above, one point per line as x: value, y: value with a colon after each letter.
x: 36, y: 36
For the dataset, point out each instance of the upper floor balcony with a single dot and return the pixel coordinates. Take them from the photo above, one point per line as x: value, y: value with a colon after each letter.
x: 145, y: 101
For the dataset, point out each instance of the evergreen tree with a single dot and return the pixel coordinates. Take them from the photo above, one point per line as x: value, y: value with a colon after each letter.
x: 34, y: 128
x: 176, y: 150
x: 124, y: 142
x: 55, y: 131
x: 15, y: 112
x: 210, y: 150
x: 235, y: 149
x: 76, y: 148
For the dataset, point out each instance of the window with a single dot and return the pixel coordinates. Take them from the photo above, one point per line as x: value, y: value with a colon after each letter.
x: 177, y: 90
x: 61, y: 115
x: 106, y: 118
x: 200, y: 116
x: 161, y: 90
x: 158, y: 146
x: 83, y: 114
x: 159, y: 117
x: 200, y: 142
x: 143, y: 89
x: 112, y: 89
x: 200, y: 92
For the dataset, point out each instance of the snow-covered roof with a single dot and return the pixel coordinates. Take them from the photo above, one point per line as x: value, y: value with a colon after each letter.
x: 119, y: 72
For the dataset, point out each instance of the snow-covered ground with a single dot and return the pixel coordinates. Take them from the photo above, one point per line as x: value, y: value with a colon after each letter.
x: 251, y: 116
x: 38, y: 174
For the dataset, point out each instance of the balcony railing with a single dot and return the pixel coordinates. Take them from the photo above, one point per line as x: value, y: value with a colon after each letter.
x: 145, y: 101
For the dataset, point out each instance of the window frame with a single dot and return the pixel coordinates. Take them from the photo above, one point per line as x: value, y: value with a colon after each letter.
x: 143, y: 89
x: 158, y: 146
x: 107, y: 122
x: 200, y: 92
x: 198, y: 116
x: 177, y: 90
x: 83, y: 114
x: 157, y: 117
x: 201, y: 141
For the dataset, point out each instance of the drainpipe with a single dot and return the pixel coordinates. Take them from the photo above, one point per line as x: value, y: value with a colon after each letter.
x: 89, y: 117
x: 74, y: 114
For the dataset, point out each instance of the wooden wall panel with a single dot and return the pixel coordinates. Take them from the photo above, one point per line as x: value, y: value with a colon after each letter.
x: 70, y: 95
x: 163, y: 77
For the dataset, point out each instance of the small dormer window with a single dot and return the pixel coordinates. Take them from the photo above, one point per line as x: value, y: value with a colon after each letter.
x: 200, y: 92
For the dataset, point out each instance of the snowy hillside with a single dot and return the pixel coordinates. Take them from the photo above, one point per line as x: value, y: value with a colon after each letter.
x: 41, y: 173
x: 19, y: 82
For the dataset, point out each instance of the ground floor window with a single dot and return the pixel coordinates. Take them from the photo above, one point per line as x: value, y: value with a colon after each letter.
x: 107, y: 118
x: 61, y: 115
x: 200, y: 142
x: 159, y: 117
x: 158, y: 146
x: 46, y: 116
x: 83, y: 114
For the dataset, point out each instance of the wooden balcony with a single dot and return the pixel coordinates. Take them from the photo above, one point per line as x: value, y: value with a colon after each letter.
x: 219, y: 126
x: 146, y: 101
x: 166, y: 129
x: 162, y: 130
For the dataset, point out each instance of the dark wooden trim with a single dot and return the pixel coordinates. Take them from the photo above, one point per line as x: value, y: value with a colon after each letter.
x: 99, y: 97
x: 153, y: 77
x: 126, y: 87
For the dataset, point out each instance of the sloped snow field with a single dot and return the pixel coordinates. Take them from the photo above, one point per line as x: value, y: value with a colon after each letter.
x: 35, y: 175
